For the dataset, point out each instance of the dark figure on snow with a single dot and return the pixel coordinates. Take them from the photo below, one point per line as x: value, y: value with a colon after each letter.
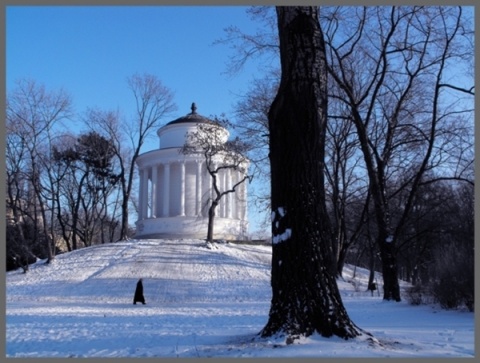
x: 139, y: 293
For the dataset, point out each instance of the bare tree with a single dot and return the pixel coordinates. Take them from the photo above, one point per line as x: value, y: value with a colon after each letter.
x: 391, y: 70
x: 110, y: 125
x: 220, y: 155
x: 153, y: 103
x: 347, y: 190
x: 305, y: 297
x: 33, y: 114
x: 252, y: 114
x: 17, y: 248
x: 262, y: 44
x: 89, y: 180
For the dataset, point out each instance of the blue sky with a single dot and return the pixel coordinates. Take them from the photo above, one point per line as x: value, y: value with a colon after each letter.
x: 90, y: 51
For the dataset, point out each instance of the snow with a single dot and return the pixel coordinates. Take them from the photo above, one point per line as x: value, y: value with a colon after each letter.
x: 200, y: 303
x: 281, y: 213
x: 287, y: 233
x: 282, y: 237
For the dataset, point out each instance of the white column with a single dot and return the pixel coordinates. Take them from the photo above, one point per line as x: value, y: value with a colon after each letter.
x: 154, y: 191
x: 220, y: 188
x: 199, y: 188
x: 182, y: 186
x: 140, y: 196
x: 224, y: 199
x: 166, y: 191
x: 145, y: 193
x: 229, y: 196
x: 235, y: 195
x: 243, y: 208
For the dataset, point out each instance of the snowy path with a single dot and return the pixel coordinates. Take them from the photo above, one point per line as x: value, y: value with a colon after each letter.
x: 200, y: 302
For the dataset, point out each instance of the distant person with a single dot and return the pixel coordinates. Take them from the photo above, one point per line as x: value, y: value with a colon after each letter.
x: 139, y: 293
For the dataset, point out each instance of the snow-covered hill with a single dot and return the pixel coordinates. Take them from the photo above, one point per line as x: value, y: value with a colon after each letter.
x: 200, y: 303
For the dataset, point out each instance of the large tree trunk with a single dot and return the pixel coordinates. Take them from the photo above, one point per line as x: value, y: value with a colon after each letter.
x: 385, y: 238
x: 305, y: 297
x: 391, y: 288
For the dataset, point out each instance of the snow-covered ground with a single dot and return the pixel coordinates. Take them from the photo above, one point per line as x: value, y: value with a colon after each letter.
x: 200, y: 303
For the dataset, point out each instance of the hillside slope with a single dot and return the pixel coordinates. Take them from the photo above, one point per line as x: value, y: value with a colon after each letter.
x: 200, y: 302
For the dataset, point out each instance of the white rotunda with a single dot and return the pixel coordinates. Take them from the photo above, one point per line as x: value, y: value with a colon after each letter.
x: 176, y: 189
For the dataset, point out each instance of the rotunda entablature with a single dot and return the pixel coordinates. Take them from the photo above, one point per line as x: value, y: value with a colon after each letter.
x: 166, y: 156
x: 173, y: 155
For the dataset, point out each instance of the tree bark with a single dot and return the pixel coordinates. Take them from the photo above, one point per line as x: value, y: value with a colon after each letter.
x: 305, y: 296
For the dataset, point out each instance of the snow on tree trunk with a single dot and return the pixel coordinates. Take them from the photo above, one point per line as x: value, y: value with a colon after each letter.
x: 305, y: 296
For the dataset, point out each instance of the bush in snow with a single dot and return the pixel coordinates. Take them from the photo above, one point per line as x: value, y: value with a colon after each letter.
x: 451, y: 281
x: 415, y: 295
x: 419, y: 294
x: 453, y: 286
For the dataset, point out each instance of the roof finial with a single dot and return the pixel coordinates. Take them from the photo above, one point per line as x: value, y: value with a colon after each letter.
x: 194, y: 108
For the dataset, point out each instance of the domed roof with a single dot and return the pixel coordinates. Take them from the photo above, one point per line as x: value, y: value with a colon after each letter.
x: 174, y: 133
x: 193, y: 117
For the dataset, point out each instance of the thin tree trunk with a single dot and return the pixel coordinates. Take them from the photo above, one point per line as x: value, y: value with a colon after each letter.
x: 211, y: 221
x: 125, y: 183
x: 341, y: 261
x: 305, y: 296
x: 49, y: 248
x: 371, y: 268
